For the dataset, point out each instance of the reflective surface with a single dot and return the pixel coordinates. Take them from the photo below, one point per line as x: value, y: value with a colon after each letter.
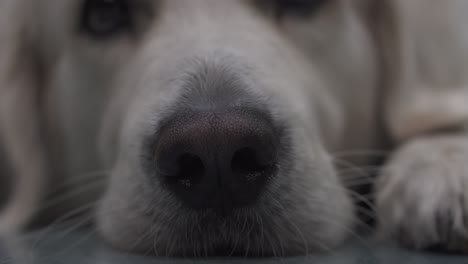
x: 84, y: 248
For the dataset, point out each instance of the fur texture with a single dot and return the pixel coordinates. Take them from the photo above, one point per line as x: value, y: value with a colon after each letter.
x: 349, y: 77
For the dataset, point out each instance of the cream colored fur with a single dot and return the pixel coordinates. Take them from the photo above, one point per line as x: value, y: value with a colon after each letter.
x: 356, y: 76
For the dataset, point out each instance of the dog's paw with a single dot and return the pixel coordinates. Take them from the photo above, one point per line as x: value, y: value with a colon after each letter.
x: 422, y: 194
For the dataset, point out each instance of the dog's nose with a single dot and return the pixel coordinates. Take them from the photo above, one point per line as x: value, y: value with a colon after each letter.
x: 217, y: 160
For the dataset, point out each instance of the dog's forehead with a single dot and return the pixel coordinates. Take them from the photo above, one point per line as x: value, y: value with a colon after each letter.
x: 68, y: 6
x: 68, y: 12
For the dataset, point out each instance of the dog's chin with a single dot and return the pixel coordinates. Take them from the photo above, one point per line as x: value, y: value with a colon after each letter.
x: 206, y: 234
x: 282, y: 223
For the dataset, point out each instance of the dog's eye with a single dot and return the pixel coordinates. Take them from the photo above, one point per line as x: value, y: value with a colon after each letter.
x: 298, y: 7
x: 105, y: 18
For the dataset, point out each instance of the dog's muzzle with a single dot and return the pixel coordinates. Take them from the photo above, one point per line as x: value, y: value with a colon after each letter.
x: 217, y: 160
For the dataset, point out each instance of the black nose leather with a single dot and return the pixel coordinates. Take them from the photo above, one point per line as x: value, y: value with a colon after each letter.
x: 217, y: 160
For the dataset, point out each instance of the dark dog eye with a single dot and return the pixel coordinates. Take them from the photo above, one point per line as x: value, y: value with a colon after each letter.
x: 298, y: 7
x: 105, y: 18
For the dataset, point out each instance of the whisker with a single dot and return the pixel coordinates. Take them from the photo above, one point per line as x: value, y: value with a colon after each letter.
x: 54, y: 224
x: 358, y: 182
x: 249, y: 233
x: 79, y: 179
x: 75, y: 244
x: 155, y: 242
x: 262, y: 235
x: 361, y: 171
x: 363, y: 152
x: 298, y: 232
x: 237, y: 239
x: 306, y: 244
x: 359, y: 223
x: 350, y: 231
x: 75, y: 225
x: 268, y: 239
x: 355, y: 195
x: 364, y: 171
x: 71, y: 194
x: 362, y: 199
x: 366, y: 212
x: 192, y: 240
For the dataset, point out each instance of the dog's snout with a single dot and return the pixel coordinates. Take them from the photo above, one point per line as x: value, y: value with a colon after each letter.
x: 217, y: 160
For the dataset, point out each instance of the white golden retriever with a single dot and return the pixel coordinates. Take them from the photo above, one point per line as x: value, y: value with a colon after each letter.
x: 221, y: 125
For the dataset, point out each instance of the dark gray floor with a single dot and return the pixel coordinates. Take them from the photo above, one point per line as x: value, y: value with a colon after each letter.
x: 83, y: 248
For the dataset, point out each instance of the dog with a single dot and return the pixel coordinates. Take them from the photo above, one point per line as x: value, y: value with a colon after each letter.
x: 208, y: 127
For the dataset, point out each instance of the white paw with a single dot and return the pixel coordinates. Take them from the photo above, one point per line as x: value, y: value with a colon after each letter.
x: 422, y: 194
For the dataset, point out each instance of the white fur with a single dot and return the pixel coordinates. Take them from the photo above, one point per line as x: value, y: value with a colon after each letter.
x: 340, y: 80
x: 422, y: 196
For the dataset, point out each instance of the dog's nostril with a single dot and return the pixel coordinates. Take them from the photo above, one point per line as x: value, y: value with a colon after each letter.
x: 247, y: 162
x: 190, y: 170
x: 217, y: 160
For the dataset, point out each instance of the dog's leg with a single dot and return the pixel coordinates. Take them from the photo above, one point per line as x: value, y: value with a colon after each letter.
x: 422, y: 193
x: 20, y: 118
x: 4, y: 176
x: 26, y: 158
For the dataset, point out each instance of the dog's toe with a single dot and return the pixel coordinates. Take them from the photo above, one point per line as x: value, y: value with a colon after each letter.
x: 422, y: 195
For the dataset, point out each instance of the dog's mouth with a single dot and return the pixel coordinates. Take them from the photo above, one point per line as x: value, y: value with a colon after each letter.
x: 243, y: 233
